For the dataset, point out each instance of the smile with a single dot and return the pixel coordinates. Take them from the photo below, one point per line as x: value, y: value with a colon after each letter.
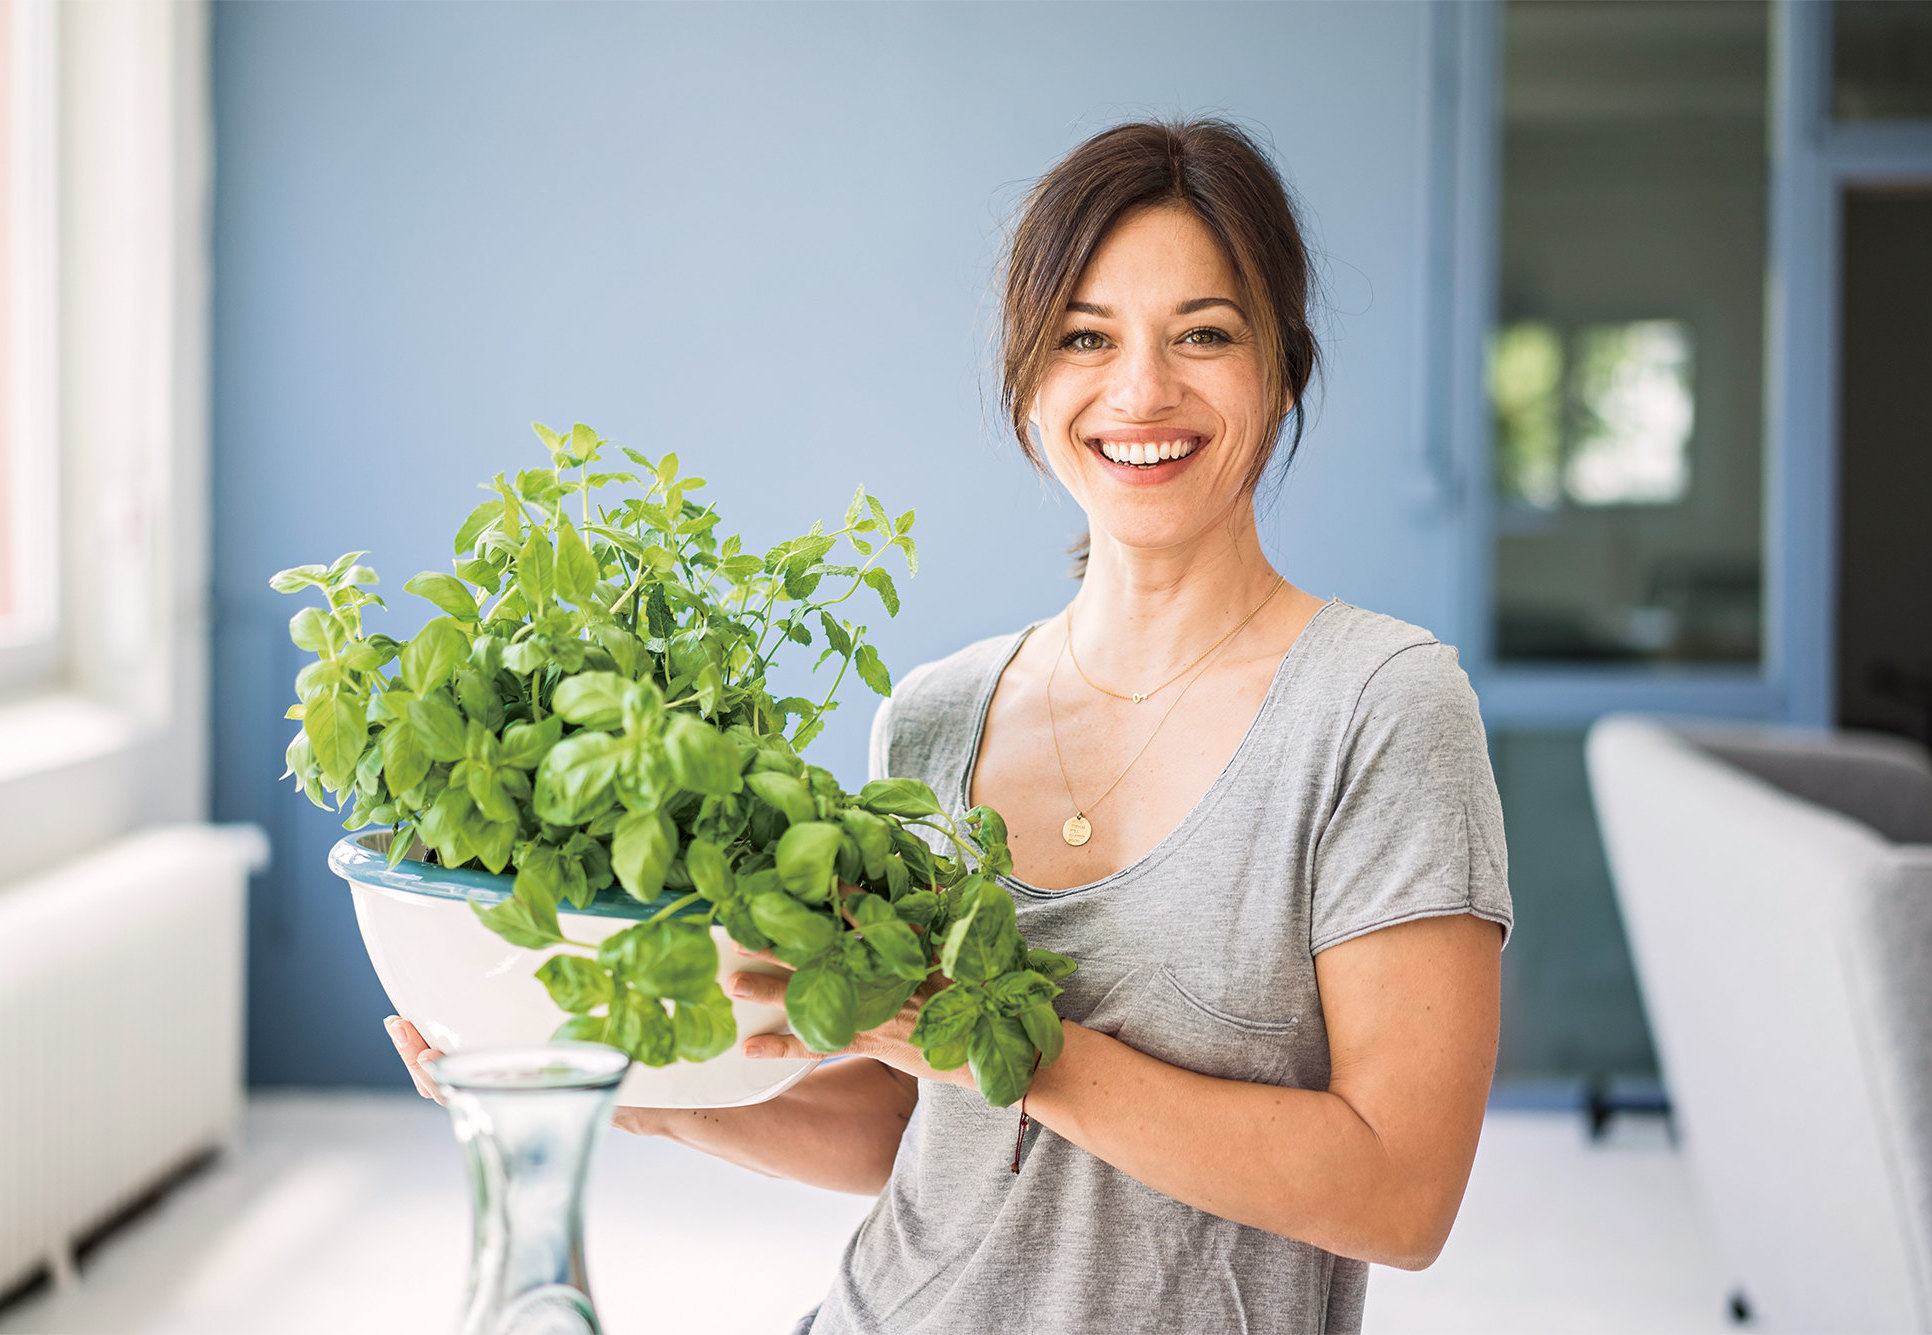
x: 1146, y: 454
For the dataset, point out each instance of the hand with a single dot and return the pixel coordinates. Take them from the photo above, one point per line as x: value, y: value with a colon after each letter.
x: 414, y: 1052
x: 890, y: 1043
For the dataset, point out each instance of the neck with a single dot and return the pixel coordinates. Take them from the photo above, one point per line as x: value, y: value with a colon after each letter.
x: 1143, y: 613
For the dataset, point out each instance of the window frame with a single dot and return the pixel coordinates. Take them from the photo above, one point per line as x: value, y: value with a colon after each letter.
x: 30, y: 649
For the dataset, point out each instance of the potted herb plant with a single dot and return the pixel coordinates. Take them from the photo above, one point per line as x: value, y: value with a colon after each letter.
x: 584, y: 787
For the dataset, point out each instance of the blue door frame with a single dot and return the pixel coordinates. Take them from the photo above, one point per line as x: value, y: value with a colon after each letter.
x: 1813, y: 161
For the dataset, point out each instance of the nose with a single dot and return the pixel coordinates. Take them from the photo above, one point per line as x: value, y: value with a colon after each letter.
x: 1144, y: 385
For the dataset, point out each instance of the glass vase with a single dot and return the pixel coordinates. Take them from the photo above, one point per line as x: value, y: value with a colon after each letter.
x: 528, y: 1119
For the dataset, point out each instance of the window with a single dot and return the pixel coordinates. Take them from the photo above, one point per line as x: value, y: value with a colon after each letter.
x: 1625, y: 370
x: 28, y: 594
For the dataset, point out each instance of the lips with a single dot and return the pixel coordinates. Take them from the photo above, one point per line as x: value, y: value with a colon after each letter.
x: 1147, y: 451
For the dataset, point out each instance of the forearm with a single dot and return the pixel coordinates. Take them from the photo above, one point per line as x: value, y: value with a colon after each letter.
x: 1297, y: 1162
x: 838, y: 1128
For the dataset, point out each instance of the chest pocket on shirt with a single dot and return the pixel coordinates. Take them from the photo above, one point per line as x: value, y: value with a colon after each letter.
x: 1167, y: 1018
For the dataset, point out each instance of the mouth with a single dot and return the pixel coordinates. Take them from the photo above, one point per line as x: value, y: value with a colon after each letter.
x: 1146, y: 455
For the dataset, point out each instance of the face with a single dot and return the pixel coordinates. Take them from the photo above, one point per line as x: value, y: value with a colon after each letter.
x: 1154, y: 404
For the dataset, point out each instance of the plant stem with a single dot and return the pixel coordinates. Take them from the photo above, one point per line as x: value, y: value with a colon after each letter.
x: 673, y: 907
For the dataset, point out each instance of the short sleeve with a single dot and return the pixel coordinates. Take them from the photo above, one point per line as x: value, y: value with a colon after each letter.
x: 1416, y: 830
x: 878, y: 753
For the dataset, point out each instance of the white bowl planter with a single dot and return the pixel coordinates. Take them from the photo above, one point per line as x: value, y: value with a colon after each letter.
x: 463, y: 986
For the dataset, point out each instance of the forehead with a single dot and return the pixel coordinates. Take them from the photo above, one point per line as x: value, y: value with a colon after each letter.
x: 1157, y: 256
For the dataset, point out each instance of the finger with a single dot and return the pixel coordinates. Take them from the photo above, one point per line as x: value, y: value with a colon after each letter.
x: 765, y: 955
x: 758, y: 987
x: 409, y: 1046
x: 415, y: 1051
x: 778, y: 1045
x: 427, y: 1082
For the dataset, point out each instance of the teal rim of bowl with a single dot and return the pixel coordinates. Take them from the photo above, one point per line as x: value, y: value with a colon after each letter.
x: 355, y: 858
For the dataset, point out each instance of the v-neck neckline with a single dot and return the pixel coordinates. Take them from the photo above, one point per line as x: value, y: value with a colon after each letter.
x: 963, y: 783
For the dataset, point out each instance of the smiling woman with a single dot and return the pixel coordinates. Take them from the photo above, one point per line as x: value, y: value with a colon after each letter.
x: 1284, y: 880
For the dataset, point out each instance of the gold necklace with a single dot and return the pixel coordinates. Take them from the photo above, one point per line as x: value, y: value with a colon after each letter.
x: 1078, y: 829
x: 1138, y: 696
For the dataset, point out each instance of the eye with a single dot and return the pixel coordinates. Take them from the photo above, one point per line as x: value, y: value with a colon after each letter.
x: 1214, y: 336
x: 1073, y: 342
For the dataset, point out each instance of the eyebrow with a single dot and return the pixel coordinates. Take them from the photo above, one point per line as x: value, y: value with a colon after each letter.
x: 1185, y: 308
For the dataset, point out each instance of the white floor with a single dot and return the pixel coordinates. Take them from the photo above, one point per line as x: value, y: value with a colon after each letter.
x: 349, y: 1213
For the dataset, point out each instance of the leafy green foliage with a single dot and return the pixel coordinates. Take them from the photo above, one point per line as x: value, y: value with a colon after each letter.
x: 590, y: 711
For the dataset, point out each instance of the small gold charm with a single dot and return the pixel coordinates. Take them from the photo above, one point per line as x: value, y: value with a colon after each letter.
x: 1139, y: 698
x: 1077, y: 830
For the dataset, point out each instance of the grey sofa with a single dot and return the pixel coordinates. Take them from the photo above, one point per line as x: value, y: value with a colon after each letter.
x: 1776, y: 887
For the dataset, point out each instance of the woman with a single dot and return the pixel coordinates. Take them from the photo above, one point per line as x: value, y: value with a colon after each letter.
x: 1263, y: 823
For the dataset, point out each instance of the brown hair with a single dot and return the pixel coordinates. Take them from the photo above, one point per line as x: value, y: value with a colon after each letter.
x: 1214, y: 170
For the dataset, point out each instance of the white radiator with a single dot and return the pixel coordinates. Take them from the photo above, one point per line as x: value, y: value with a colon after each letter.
x: 120, y: 1029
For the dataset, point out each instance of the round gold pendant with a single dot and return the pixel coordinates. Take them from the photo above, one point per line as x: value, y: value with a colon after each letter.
x: 1077, y: 830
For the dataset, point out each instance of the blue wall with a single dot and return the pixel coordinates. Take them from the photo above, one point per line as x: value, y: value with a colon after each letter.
x: 760, y: 236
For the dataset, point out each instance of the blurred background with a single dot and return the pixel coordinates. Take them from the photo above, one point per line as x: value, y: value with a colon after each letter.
x: 1623, y: 304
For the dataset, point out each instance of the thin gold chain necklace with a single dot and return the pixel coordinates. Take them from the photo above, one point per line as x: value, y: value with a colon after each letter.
x: 1077, y: 829
x: 1139, y: 696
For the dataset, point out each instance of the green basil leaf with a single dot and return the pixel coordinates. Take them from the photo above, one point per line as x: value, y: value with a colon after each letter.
x: 702, y: 759
x: 920, y: 908
x: 639, y: 1026
x: 806, y: 853
x: 675, y: 959
x: 979, y: 944
x: 575, y: 983
x: 438, y: 727
x: 710, y: 873
x: 790, y: 924
x: 1043, y: 1027
x: 899, y: 797
x: 336, y: 728
x: 949, y: 1015
x: 574, y: 780
x: 404, y: 762
x: 536, y: 571
x: 526, y: 744
x: 873, y: 835
x: 641, y: 850
x: 1055, y: 966
x: 581, y: 1029
x: 576, y: 568
x: 308, y: 628
x: 449, y: 593
x: 898, y: 948
x: 433, y: 654
x: 479, y: 519
x: 822, y: 1008
x: 988, y: 829
x: 1002, y: 1059
x: 785, y: 793
x: 520, y: 923
x: 704, y: 1029
x: 879, y: 999
x: 1014, y: 992
x: 591, y: 699
x: 492, y: 840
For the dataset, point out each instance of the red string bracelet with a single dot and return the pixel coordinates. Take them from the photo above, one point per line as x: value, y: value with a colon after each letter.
x: 1020, y: 1139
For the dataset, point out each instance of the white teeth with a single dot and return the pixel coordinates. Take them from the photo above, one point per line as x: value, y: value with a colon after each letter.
x: 1144, y: 453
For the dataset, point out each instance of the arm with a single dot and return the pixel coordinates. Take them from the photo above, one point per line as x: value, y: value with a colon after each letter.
x: 1374, y: 1167
x: 838, y: 1128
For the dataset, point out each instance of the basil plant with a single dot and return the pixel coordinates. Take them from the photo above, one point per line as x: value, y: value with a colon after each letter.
x: 591, y: 708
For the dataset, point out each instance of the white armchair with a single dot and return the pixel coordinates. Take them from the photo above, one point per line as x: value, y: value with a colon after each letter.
x: 1776, y: 888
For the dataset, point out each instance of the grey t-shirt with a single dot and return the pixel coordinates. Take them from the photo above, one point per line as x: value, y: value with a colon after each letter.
x: 1360, y: 797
